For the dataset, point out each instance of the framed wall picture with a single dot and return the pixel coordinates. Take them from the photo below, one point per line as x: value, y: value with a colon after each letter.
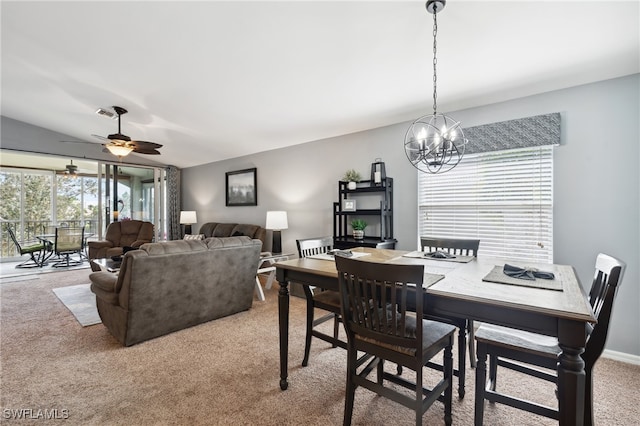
x: 242, y: 188
x: 349, y: 205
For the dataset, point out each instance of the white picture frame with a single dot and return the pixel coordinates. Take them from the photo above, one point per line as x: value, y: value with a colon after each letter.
x: 348, y: 205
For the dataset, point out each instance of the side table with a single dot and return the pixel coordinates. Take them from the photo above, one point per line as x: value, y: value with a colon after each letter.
x: 265, y: 266
x: 107, y: 265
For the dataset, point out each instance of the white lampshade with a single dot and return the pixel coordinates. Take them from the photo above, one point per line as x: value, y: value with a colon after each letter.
x: 277, y: 220
x: 188, y: 217
x: 119, y: 150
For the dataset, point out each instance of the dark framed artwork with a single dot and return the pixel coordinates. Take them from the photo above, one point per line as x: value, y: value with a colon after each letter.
x: 242, y: 188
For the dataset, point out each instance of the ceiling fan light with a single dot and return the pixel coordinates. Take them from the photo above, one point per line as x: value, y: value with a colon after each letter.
x: 119, y: 150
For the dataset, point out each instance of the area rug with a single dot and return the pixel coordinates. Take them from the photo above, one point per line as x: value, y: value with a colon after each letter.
x: 81, y: 302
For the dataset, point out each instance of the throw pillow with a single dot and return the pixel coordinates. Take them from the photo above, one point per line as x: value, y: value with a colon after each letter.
x: 194, y: 237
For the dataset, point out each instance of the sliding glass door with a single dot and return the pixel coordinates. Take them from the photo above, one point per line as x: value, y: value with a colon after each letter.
x: 38, y: 193
x: 132, y: 193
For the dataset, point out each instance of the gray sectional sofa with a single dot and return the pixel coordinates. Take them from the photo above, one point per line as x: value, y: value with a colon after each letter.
x: 169, y: 286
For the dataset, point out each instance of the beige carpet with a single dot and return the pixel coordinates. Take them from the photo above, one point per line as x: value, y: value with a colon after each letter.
x: 225, y: 372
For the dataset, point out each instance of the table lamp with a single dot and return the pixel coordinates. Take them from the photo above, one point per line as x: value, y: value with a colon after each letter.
x: 187, y: 218
x: 276, y: 221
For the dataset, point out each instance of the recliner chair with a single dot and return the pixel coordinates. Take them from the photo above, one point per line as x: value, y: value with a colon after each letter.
x: 127, y: 233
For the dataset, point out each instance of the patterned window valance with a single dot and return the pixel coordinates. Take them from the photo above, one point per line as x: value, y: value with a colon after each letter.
x: 538, y: 130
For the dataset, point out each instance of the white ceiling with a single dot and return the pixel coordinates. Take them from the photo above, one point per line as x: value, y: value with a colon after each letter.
x: 213, y: 80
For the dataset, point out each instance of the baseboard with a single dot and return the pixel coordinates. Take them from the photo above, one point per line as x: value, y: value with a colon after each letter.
x: 621, y: 356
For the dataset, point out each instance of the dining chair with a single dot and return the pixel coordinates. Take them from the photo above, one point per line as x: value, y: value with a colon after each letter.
x: 34, y: 248
x: 68, y: 241
x: 461, y: 247
x: 505, y: 345
x: 327, y: 300
x: 374, y: 300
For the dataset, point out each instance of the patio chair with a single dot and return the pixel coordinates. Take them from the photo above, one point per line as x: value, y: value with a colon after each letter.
x: 68, y: 241
x: 34, y: 248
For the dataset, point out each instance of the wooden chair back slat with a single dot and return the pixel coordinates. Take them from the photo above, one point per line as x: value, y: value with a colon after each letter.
x: 459, y: 246
x: 311, y: 246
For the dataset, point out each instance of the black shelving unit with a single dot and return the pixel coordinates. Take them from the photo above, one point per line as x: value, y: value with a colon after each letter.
x: 342, y: 239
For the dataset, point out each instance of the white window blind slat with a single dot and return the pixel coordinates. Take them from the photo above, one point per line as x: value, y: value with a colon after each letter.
x: 503, y: 198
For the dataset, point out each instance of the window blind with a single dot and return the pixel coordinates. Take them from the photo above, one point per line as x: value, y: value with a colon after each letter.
x: 504, y: 198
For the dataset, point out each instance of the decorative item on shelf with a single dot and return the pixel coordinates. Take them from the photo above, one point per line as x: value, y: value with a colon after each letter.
x: 348, y: 205
x: 358, y: 226
x: 353, y: 177
x: 276, y: 221
x: 434, y: 143
x: 187, y: 218
x: 378, y: 173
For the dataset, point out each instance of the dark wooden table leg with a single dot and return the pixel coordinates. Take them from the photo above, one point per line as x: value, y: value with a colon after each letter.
x: 481, y: 383
x: 571, y: 374
x: 283, y: 315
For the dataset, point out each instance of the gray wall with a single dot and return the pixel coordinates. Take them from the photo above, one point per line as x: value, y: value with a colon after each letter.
x: 596, y: 184
x: 20, y: 136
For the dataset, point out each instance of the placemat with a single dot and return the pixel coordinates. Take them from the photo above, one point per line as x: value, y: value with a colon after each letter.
x: 424, y: 255
x: 497, y: 276
x: 431, y: 279
x: 327, y: 256
x: 428, y: 280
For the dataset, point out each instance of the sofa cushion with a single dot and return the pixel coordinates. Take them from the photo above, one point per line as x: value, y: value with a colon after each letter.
x: 224, y: 230
x: 245, y: 229
x: 207, y: 229
x: 130, y: 227
x: 176, y: 246
x: 228, y: 242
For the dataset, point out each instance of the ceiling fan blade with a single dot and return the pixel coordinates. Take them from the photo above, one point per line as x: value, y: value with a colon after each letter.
x: 89, y: 142
x: 102, y: 138
x: 146, y: 151
x: 145, y: 145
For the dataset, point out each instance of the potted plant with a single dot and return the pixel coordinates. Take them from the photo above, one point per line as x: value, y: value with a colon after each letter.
x: 353, y: 177
x: 358, y: 226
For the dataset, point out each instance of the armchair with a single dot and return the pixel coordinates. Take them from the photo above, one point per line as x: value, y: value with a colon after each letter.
x: 128, y: 233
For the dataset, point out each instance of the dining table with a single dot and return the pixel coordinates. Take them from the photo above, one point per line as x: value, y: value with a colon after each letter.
x: 48, y: 240
x: 462, y: 292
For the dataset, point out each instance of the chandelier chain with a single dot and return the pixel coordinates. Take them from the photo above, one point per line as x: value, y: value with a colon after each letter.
x: 435, y: 59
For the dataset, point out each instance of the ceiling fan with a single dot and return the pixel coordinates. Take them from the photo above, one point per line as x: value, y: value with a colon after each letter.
x: 121, y: 145
x: 69, y: 169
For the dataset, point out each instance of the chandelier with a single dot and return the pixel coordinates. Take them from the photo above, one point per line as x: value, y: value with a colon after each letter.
x: 434, y: 143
